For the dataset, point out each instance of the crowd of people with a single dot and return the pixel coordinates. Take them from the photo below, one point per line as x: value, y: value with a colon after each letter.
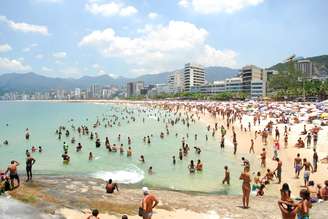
x: 226, y: 116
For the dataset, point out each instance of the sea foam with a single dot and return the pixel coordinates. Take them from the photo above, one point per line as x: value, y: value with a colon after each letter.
x: 129, y: 175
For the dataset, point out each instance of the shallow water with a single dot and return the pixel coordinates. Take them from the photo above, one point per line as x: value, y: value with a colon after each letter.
x: 43, y: 118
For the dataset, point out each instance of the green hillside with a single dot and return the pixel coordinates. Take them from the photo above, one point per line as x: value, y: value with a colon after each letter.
x: 320, y: 63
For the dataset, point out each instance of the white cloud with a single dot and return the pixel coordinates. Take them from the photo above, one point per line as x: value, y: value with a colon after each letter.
x: 184, y: 3
x: 12, y: 65
x: 110, y: 9
x: 128, y: 11
x: 160, y: 48
x: 152, y: 15
x: 5, y: 48
x: 59, y: 55
x: 24, y: 27
x: 218, y: 6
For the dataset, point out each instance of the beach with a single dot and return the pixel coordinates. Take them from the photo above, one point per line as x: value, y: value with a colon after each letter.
x: 72, y: 196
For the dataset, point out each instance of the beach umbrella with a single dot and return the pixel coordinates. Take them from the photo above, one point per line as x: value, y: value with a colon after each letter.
x: 324, y: 116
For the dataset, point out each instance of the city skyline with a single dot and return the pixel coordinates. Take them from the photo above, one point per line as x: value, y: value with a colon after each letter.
x: 61, y: 38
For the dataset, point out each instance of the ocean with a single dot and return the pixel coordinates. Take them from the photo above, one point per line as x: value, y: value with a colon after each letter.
x: 43, y: 118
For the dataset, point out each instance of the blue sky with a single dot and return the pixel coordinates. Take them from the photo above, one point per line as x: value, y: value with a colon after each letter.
x: 72, y: 38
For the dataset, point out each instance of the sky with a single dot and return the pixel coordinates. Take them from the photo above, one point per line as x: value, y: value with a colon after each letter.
x: 74, y: 38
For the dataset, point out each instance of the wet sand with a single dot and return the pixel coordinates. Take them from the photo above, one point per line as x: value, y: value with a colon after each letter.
x: 73, y: 197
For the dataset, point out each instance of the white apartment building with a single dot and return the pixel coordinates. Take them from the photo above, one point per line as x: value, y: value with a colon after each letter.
x: 234, y: 84
x: 250, y: 73
x: 194, y: 76
x: 175, y: 82
x: 258, y: 89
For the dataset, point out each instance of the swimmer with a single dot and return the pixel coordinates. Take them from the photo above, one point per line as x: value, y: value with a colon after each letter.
x: 66, y: 158
x: 150, y: 170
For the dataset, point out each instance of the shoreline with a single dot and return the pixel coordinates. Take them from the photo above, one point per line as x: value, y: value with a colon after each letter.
x: 73, y: 197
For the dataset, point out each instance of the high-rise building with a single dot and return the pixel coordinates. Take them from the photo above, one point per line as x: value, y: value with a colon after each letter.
x: 139, y: 85
x: 175, y: 82
x: 248, y: 74
x: 77, y: 92
x: 130, y: 89
x: 194, y: 76
x: 306, y: 67
x: 95, y: 91
x: 134, y: 88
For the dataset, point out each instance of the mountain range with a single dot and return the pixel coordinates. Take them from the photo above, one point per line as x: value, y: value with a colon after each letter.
x: 35, y: 82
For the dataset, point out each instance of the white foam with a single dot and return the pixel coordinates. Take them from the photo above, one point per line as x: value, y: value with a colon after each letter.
x: 130, y: 175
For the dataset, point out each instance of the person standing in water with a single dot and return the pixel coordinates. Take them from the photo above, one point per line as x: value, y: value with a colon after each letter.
x: 90, y: 156
x: 226, y: 176
x: 29, y: 163
x: 246, y: 186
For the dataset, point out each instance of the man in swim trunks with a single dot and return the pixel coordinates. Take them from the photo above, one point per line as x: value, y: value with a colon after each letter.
x: 149, y: 202
x: 12, y: 169
x: 298, y: 165
x: 307, y: 168
x: 29, y: 163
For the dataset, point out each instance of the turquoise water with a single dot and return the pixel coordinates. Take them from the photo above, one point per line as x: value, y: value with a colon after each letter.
x: 43, y: 118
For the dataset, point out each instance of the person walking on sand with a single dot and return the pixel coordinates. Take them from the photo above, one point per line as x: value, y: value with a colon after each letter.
x: 251, y: 149
x: 297, y: 165
x: 315, y: 160
x: 307, y: 168
x: 278, y: 170
x: 263, y: 158
x: 148, y: 203
x: 246, y: 186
